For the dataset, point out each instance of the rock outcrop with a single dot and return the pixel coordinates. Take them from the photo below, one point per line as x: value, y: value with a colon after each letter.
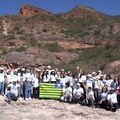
x: 113, y: 67
x: 28, y: 10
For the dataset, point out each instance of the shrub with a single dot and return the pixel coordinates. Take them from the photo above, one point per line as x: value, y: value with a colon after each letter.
x: 45, y: 30
x: 29, y: 38
x: 94, y: 58
x: 52, y: 47
x: 10, y: 37
x: 20, y: 49
x: 4, y: 51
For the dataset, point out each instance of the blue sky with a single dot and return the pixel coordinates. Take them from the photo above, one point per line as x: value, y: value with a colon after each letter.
x: 111, y: 7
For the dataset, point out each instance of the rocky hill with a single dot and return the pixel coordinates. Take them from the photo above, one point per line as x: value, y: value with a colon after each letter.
x: 82, y: 36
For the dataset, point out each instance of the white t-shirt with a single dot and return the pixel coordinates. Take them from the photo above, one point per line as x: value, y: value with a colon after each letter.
x: 98, y: 84
x: 46, y: 78
x: 53, y: 78
x: 35, y: 82
x: 1, y: 77
x: 67, y: 91
x: 68, y: 78
x: 78, y: 92
x: 83, y: 78
x: 29, y: 76
x: 9, y: 78
x: 108, y: 82
x: 14, y: 78
x: 104, y: 95
x: 90, y: 94
x: 89, y: 83
x: 112, y: 98
x: 63, y: 81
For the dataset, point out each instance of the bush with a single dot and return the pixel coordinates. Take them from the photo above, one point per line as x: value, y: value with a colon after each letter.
x: 52, y: 47
x: 10, y: 37
x: 94, y: 58
x: 29, y: 38
x: 45, y: 30
x: 4, y: 51
x: 20, y: 49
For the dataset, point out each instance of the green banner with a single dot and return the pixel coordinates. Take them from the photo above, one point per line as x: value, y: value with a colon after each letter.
x: 48, y: 91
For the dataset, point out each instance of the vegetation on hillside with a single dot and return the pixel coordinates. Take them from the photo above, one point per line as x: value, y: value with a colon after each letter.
x: 80, y: 23
x: 93, y: 58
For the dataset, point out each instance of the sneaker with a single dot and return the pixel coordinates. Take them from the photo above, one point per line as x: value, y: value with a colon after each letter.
x: 20, y: 98
x: 26, y: 99
x: 29, y: 98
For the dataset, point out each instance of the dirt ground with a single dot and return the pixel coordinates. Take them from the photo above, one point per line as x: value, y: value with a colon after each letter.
x: 52, y: 110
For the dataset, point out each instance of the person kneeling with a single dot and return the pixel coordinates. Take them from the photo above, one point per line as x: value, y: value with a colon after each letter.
x: 67, y: 93
x: 78, y: 94
x: 90, y: 97
x: 12, y: 92
x: 112, y: 101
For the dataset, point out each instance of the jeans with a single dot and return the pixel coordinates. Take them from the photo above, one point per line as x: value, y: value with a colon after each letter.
x: 35, y: 92
x: 118, y: 99
x: 11, y: 96
x: 90, y: 102
x: 1, y: 88
x: 27, y: 89
x: 97, y: 95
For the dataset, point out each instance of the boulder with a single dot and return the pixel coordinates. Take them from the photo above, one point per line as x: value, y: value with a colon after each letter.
x: 113, y: 67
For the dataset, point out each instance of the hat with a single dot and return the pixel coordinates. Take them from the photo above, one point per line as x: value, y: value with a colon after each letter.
x: 99, y: 71
x: 68, y: 72
x: 89, y: 75
x: 62, y: 70
x: 23, y: 69
x: 49, y: 66
x: 93, y: 73
x: 97, y: 77
x: 53, y: 70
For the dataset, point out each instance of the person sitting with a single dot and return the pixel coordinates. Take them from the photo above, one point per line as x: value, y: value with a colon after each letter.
x: 112, y: 103
x: 67, y: 93
x: 12, y: 92
x: 90, y: 97
x: 103, y: 101
x: 78, y: 94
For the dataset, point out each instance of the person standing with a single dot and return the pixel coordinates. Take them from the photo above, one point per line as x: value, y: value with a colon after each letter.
x: 35, y: 87
x: 1, y: 82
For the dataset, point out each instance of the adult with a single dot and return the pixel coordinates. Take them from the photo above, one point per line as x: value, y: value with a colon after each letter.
x: 112, y: 101
x: 67, y: 93
x: 78, y: 94
x: 90, y: 97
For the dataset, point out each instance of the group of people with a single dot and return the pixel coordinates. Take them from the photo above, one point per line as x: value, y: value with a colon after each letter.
x: 95, y: 89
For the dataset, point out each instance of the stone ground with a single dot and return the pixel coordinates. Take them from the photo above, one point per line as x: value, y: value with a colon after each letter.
x: 52, y: 110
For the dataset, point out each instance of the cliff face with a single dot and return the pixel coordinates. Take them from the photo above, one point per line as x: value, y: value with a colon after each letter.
x: 28, y: 10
